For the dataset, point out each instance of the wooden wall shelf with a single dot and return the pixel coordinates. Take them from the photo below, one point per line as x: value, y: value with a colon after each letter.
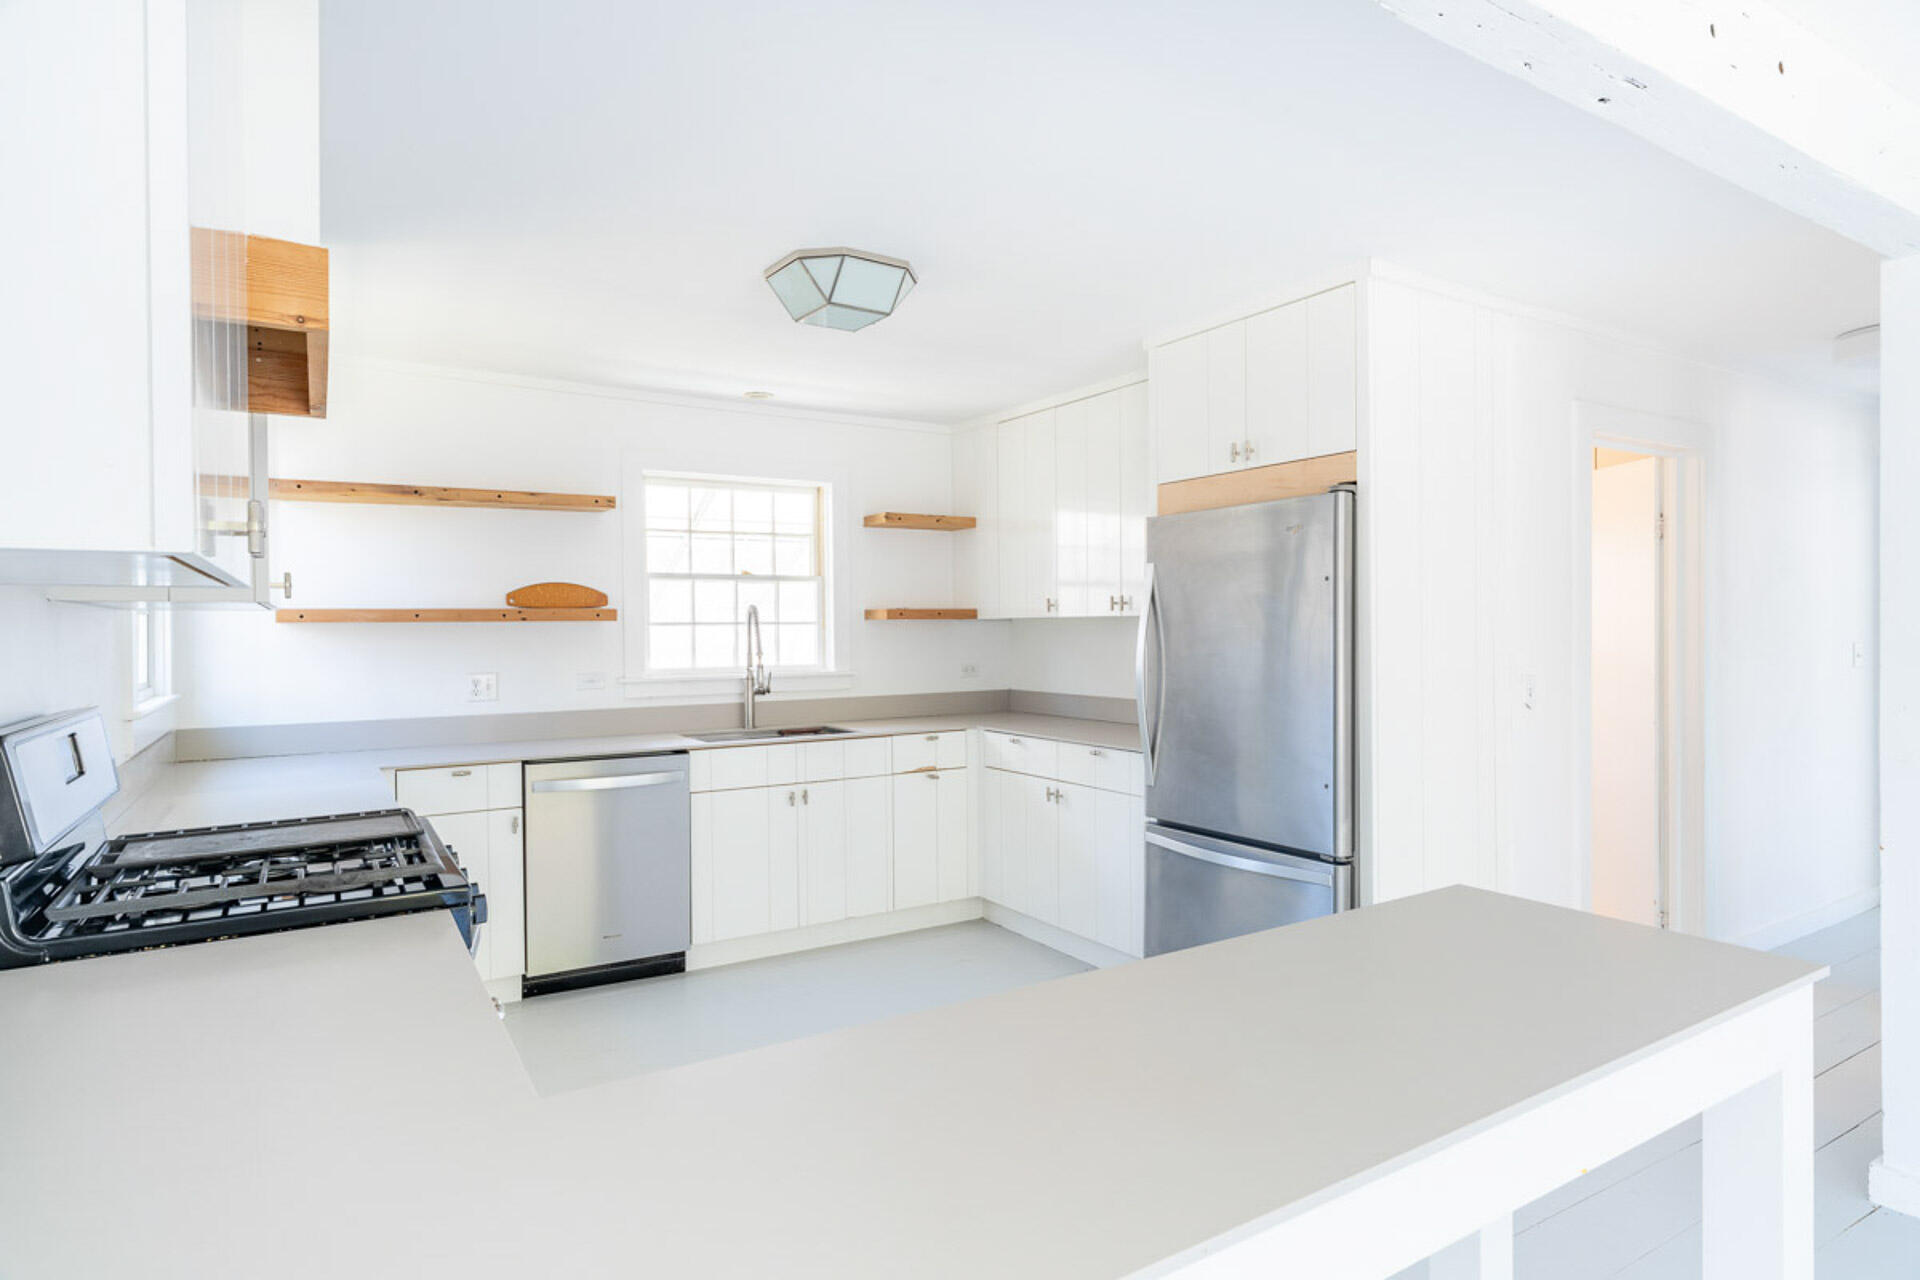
x: 921, y: 615
x: 422, y: 495
x: 446, y: 615
x: 909, y: 520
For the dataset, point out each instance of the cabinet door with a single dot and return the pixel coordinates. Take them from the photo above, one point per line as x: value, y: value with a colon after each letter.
x: 1119, y: 871
x: 1136, y: 495
x: 953, y: 829
x: 1015, y: 597
x: 1078, y: 820
x: 783, y: 855
x: 869, y: 824
x: 1040, y: 849
x: 1042, y: 513
x: 1332, y: 371
x: 1277, y: 384
x: 1100, y: 501
x: 738, y: 841
x: 1177, y: 376
x: 998, y: 811
x: 916, y: 839
x: 1226, y: 396
x: 1071, y: 562
x: 506, y: 895
x: 976, y: 551
x: 466, y: 838
x: 823, y: 854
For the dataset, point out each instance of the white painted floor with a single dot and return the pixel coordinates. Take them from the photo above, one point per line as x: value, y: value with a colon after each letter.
x: 580, y: 1038
x: 1637, y: 1218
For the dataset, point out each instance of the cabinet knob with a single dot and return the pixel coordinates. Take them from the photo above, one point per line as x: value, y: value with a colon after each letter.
x: 931, y: 776
x: 463, y: 773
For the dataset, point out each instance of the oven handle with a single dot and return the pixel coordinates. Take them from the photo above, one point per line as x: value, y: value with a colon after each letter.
x: 609, y: 782
x: 1255, y: 865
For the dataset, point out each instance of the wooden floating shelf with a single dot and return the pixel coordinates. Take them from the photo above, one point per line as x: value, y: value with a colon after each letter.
x: 423, y: 495
x: 909, y: 520
x: 921, y: 615
x: 446, y: 615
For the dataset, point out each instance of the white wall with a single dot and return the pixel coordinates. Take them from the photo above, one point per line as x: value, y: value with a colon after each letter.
x: 1091, y: 656
x: 1471, y: 536
x: 55, y: 657
x: 399, y: 424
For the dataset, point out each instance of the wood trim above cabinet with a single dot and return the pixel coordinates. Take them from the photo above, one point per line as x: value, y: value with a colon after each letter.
x: 1259, y: 484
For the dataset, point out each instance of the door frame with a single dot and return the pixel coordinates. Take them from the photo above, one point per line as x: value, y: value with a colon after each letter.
x: 1679, y: 445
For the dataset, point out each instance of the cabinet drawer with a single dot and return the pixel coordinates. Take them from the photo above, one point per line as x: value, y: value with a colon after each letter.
x: 731, y: 768
x: 459, y: 789
x: 917, y: 752
x: 1020, y: 754
x: 1103, y: 767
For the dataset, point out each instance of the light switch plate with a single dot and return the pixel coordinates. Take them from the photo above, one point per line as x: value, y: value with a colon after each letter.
x: 483, y: 686
x: 587, y: 681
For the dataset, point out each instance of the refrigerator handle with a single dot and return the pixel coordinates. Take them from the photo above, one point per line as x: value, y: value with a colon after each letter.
x: 1150, y: 728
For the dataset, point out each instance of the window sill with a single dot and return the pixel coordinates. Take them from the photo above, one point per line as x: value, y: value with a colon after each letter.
x: 141, y: 710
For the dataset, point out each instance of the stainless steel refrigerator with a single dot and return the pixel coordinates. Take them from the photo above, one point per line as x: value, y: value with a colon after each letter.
x: 1244, y: 679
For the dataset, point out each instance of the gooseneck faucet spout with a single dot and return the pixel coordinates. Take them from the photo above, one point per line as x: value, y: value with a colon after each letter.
x: 759, y: 679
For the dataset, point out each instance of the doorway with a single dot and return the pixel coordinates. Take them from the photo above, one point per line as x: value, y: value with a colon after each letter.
x: 1630, y: 857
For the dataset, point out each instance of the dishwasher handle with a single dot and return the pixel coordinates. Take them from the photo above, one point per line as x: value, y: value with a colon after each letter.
x: 608, y: 782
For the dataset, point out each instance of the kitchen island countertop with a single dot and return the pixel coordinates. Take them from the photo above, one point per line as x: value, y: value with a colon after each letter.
x: 342, y: 1101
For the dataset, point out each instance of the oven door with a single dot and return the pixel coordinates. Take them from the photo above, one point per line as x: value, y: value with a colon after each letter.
x: 1202, y: 889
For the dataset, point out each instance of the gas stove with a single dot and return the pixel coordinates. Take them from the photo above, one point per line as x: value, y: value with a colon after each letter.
x: 66, y: 893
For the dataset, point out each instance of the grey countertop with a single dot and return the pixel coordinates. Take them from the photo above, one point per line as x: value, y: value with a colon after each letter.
x: 262, y: 788
x: 342, y: 1101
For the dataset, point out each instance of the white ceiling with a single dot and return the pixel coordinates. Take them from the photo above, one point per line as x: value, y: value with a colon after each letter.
x: 591, y: 190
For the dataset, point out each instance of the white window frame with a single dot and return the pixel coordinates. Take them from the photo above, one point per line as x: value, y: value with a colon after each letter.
x: 149, y: 682
x: 824, y: 574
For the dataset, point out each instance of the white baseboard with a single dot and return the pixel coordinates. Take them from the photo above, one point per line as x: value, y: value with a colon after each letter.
x: 505, y: 990
x: 1891, y: 1188
x: 1094, y: 953
x: 1797, y: 927
x: 857, y: 929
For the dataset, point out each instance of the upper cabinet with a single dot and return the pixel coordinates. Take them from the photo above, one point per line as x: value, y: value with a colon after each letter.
x: 164, y: 132
x: 1274, y: 387
x: 1061, y: 497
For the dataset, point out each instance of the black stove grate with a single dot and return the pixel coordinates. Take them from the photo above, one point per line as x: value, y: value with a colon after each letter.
x: 150, y: 890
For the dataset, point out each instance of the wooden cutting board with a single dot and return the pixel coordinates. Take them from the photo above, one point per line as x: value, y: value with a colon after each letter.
x: 556, y: 595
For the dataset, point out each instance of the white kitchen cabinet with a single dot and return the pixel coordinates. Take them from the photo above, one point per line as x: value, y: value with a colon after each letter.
x: 1042, y: 514
x: 869, y: 825
x: 1101, y: 866
x: 1136, y: 495
x: 1278, y: 386
x: 1018, y: 753
x: 917, y: 751
x: 930, y: 831
x: 1332, y: 371
x: 1072, y: 564
x: 476, y: 810
x: 1177, y: 379
x: 733, y: 862
x: 505, y: 932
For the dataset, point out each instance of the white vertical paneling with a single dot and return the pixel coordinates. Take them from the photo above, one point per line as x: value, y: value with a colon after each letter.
x: 784, y: 835
x: 952, y: 835
x: 1071, y: 550
x: 1103, y: 466
x: 702, y: 863
x: 916, y: 848
x: 506, y: 893
x: 1016, y: 532
x: 1042, y: 512
x: 1177, y: 379
x: 1136, y: 494
x: 1077, y: 889
x: 738, y: 836
x: 869, y: 825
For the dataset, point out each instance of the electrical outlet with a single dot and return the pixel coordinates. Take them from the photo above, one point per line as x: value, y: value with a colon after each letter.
x: 587, y: 681
x: 1859, y: 654
x: 483, y: 686
x: 969, y: 671
x: 1529, y: 686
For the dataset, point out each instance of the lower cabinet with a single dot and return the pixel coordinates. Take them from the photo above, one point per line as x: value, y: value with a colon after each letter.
x: 1065, y: 854
x: 930, y: 829
x: 490, y: 844
x: 773, y: 858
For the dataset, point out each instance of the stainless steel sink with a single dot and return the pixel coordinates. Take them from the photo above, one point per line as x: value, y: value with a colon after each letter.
x: 769, y: 735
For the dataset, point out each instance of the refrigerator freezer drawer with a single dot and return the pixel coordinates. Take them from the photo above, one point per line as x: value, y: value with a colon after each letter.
x: 1201, y: 890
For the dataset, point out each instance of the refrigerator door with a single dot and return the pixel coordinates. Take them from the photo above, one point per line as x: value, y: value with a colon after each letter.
x: 1201, y: 889
x: 1245, y: 673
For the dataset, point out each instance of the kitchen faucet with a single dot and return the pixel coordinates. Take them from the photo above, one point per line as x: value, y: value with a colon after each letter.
x: 759, y: 679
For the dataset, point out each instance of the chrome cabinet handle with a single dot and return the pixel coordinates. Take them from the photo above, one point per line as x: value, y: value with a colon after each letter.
x: 803, y: 798
x: 463, y: 773
x: 933, y: 737
x: 1249, y: 451
x: 1052, y: 604
x: 1095, y: 751
x: 513, y: 824
x: 789, y: 799
x: 931, y: 776
x: 1233, y: 452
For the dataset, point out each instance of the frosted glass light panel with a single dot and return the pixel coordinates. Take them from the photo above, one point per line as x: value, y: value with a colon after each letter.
x: 716, y: 548
x: 839, y: 288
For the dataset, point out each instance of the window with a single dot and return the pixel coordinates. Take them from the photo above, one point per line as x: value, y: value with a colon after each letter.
x: 152, y: 660
x: 717, y: 547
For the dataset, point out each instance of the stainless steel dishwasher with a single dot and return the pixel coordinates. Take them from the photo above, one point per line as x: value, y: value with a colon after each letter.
x: 609, y: 870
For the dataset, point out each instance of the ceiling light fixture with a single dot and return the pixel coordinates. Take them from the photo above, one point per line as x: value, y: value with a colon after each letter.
x: 840, y: 288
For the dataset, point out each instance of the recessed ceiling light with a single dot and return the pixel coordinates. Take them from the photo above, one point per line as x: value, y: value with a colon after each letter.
x: 840, y: 288
x: 758, y: 395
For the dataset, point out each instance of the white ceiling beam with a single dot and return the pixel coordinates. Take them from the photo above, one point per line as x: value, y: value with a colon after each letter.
x: 1737, y: 89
